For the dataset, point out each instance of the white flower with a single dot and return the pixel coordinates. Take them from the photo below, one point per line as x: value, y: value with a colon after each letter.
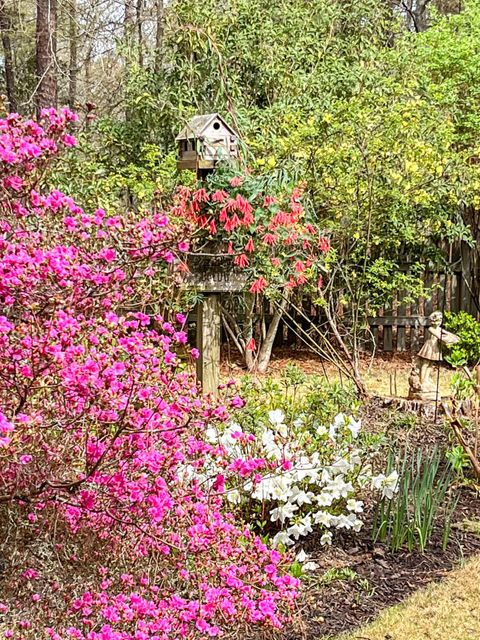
x: 326, y: 538
x: 298, y: 423
x: 321, y: 430
x: 211, y: 435
x: 272, y: 450
x: 310, y: 566
x: 323, y: 517
x: 338, y: 422
x: 355, y: 505
x: 276, y: 417
x: 301, y: 556
x: 387, y: 484
x: 282, y: 537
x: 282, y: 429
x: 341, y: 466
x: 283, y: 512
x: 273, y: 487
x: 234, y: 496
x: 354, y: 426
x: 324, y: 499
x: 300, y: 497
x: 339, y: 488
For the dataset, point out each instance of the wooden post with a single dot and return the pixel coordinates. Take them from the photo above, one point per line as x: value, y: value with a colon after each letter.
x: 208, y: 343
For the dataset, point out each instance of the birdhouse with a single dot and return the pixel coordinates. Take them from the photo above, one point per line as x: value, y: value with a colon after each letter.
x: 204, y: 141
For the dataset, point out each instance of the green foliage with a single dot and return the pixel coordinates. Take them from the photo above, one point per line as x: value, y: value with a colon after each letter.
x: 458, y: 459
x: 381, y: 124
x: 467, y: 328
x: 421, y: 503
x: 309, y: 399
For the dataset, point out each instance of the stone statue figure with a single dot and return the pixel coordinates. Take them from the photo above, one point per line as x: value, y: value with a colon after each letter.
x: 421, y: 385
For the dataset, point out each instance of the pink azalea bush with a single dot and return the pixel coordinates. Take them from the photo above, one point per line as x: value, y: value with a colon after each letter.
x: 102, y: 428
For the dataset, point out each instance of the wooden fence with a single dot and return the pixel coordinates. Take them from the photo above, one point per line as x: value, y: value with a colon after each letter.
x: 399, y: 327
x: 402, y: 327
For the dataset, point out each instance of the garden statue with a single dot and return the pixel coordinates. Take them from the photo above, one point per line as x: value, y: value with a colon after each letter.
x: 421, y: 385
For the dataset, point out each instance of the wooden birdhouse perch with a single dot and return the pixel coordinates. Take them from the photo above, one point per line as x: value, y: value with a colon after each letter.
x: 204, y: 142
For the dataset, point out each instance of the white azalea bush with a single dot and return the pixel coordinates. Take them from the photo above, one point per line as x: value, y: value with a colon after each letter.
x: 296, y: 474
x: 298, y: 484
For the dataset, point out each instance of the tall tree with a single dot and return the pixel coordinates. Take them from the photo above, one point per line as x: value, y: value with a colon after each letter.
x: 5, y: 29
x: 46, y: 54
x: 129, y: 21
x: 139, y: 20
x: 73, y: 58
x: 159, y: 34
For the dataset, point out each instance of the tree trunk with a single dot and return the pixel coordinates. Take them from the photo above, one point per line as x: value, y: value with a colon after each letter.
x: 46, y: 52
x: 129, y: 22
x: 5, y: 28
x: 73, y: 62
x: 265, y: 352
x: 139, y: 21
x: 159, y: 33
x: 420, y: 15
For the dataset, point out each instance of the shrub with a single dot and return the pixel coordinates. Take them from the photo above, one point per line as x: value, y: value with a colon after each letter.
x: 297, y: 472
x: 467, y: 351
x: 100, y: 421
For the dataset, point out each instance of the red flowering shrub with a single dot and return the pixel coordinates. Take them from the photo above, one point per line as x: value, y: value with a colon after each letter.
x: 267, y: 238
x: 102, y: 442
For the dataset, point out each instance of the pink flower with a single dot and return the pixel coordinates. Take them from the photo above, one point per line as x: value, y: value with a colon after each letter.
x: 250, y: 246
x: 25, y: 459
x: 30, y: 574
x: 69, y: 140
x: 237, y: 181
x: 13, y: 182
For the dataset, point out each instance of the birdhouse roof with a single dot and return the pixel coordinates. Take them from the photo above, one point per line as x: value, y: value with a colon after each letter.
x: 198, y: 124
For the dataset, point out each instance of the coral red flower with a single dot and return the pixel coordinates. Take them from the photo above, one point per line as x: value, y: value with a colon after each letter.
x: 251, y: 345
x: 213, y: 227
x: 200, y: 196
x: 219, y: 196
x: 237, y: 181
x: 230, y: 248
x: 299, y: 266
x: 268, y: 200
x: 324, y: 244
x: 241, y: 260
x: 248, y: 219
x: 269, y: 238
x: 250, y: 246
x: 259, y: 285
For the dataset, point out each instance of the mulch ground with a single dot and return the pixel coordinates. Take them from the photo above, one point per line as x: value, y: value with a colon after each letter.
x: 379, y: 578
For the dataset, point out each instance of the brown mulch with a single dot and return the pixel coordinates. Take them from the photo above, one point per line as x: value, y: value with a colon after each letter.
x: 381, y: 578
